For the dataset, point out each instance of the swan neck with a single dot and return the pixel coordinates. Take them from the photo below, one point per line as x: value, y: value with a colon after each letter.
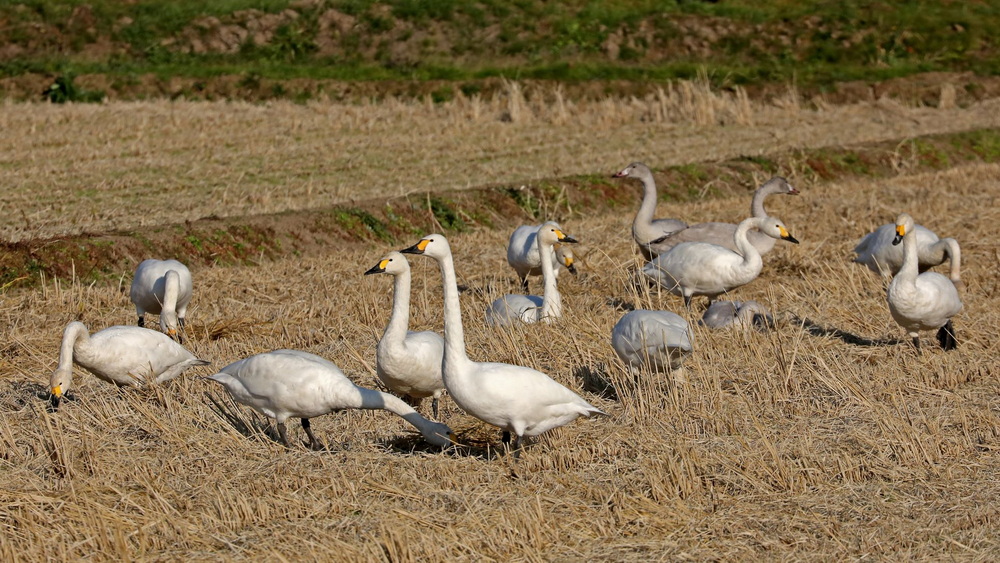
x: 551, y: 300
x: 400, y: 316
x: 950, y: 247
x: 750, y: 254
x: 171, y: 291
x: 910, y: 267
x: 454, y: 337
x: 757, y: 203
x: 648, y: 206
x: 372, y: 399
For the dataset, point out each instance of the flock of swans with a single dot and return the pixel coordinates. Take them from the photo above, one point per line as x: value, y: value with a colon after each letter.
x: 709, y: 259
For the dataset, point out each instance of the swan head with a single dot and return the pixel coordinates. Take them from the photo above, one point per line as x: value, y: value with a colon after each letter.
x: 779, y: 185
x: 392, y: 263
x: 434, y: 246
x: 437, y: 434
x: 550, y: 234
x: 775, y: 228
x: 59, y: 384
x: 634, y: 170
x: 565, y: 256
x: 904, y: 225
x: 168, y: 324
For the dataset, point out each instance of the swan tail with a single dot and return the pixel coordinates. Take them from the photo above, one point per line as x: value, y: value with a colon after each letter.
x: 946, y: 337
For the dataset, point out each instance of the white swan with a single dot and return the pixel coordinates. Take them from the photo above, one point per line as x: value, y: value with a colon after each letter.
x: 722, y: 233
x: 123, y: 355
x: 877, y: 251
x: 657, y: 339
x: 646, y: 230
x: 162, y: 287
x: 514, y: 398
x: 511, y: 309
x: 523, y: 255
x: 721, y: 314
x: 917, y: 301
x: 407, y: 362
x: 291, y: 383
x: 700, y: 268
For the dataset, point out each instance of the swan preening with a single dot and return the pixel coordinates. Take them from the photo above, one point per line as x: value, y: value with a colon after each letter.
x: 407, y: 362
x: 918, y: 301
x: 699, y: 268
x: 659, y: 340
x: 722, y: 233
x: 532, y: 308
x: 514, y: 398
x: 645, y: 229
x: 123, y: 355
x: 523, y: 254
x: 744, y: 314
x: 289, y: 383
x: 162, y: 287
x: 877, y: 251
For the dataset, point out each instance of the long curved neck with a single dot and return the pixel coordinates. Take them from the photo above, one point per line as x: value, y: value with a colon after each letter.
x: 372, y: 399
x: 757, y: 203
x: 74, y: 335
x: 454, y: 337
x: 171, y: 291
x: 644, y: 216
x: 551, y: 301
x: 910, y: 268
x: 751, y: 257
x: 400, y: 317
x: 950, y: 247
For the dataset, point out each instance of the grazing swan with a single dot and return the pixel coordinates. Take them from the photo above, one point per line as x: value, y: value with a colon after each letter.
x: 514, y: 398
x: 123, y: 355
x: 646, y: 230
x: 722, y: 233
x: 523, y: 255
x: 925, y: 301
x: 407, y: 362
x: 700, y: 268
x: 162, y: 287
x: 737, y: 313
x: 657, y: 339
x: 290, y: 383
x: 877, y: 251
x: 510, y: 309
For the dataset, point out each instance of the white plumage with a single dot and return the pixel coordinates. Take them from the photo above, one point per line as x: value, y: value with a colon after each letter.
x: 123, y: 355
x: 511, y: 309
x: 290, y: 383
x: 876, y: 251
x: 655, y: 339
x: 515, y: 398
x: 162, y: 287
x: 699, y: 268
x: 744, y: 314
x: 917, y: 301
x: 646, y: 230
x: 407, y: 362
x: 523, y: 254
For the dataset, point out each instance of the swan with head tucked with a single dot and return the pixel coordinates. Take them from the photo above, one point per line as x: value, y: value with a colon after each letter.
x: 514, y: 398
x: 407, y: 362
x: 646, y: 230
x: 523, y: 254
x: 722, y: 233
x: 511, y: 309
x: 123, y: 355
x: 290, y: 383
x: 918, y: 301
x: 162, y: 287
x: 659, y: 340
x: 721, y: 314
x: 700, y: 268
x: 877, y: 251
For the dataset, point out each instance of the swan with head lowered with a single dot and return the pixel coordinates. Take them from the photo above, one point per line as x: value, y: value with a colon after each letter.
x: 407, y: 362
x: 918, y: 301
x: 523, y: 254
x: 877, y: 251
x: 700, y: 268
x: 290, y: 383
x: 744, y: 314
x: 514, y: 398
x: 722, y: 233
x: 645, y: 229
x: 123, y: 355
x: 659, y: 340
x: 162, y: 287
x: 511, y: 309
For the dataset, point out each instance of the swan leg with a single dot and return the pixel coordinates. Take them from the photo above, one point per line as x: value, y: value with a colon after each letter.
x: 142, y: 321
x: 283, y: 433
x: 313, y: 442
x: 687, y: 302
x: 916, y: 343
x: 505, y: 437
x: 180, y: 321
x: 946, y: 337
x: 517, y: 447
x: 524, y: 284
x: 434, y: 407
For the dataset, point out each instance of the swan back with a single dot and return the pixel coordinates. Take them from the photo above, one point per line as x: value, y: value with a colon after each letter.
x: 659, y: 340
x: 162, y: 287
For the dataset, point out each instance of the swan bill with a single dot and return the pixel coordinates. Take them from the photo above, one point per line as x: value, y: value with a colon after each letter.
x: 563, y: 237
x: 378, y: 268
x: 785, y: 235
x: 418, y: 248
